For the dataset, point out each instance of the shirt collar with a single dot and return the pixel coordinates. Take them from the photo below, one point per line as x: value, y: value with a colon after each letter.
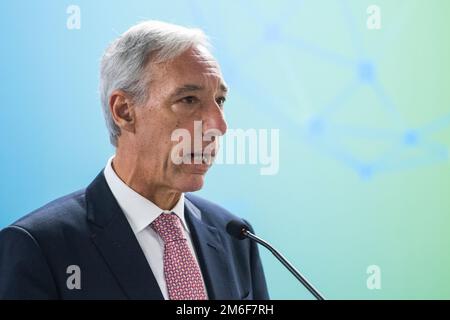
x: 140, y: 211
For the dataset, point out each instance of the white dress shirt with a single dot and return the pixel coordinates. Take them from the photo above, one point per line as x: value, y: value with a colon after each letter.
x: 140, y: 213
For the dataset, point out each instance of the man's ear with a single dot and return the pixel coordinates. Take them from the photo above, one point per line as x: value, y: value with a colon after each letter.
x: 122, y: 109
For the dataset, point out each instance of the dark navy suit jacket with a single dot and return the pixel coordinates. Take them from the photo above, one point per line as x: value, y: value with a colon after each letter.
x: 89, y: 230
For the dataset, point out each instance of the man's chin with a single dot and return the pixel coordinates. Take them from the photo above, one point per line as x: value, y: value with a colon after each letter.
x: 192, y: 182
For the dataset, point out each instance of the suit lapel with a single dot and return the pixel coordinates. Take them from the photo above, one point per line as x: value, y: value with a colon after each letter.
x: 212, y: 258
x: 117, y: 243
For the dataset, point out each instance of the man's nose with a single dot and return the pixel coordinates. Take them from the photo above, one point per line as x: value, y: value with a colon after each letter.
x: 214, y: 119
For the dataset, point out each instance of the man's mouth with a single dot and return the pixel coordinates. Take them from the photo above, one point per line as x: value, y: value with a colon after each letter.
x: 201, y: 158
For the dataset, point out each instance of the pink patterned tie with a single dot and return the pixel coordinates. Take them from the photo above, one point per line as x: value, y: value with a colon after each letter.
x: 182, y: 273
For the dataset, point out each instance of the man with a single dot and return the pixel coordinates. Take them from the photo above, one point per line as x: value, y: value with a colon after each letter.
x: 134, y: 232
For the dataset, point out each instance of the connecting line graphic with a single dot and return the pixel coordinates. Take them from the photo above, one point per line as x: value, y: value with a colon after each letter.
x: 408, y: 147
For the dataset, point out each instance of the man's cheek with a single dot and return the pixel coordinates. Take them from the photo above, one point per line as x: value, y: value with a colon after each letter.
x: 180, y: 146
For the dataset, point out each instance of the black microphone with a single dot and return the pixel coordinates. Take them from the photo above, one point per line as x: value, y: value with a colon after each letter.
x: 239, y: 230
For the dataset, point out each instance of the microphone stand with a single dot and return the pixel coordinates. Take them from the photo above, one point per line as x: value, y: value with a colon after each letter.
x: 286, y: 263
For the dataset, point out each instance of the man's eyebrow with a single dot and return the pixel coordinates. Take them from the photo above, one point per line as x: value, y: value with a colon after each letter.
x: 187, y: 88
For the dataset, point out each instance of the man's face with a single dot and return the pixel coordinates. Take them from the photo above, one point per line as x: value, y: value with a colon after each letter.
x: 186, y: 89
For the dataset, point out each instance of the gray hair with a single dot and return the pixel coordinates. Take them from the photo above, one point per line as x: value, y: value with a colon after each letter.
x: 124, y: 62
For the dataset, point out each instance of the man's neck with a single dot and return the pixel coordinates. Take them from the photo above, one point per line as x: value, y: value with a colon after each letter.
x: 164, y: 198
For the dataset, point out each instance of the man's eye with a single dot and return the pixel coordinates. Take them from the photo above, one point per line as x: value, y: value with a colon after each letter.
x: 221, y: 101
x: 189, y: 100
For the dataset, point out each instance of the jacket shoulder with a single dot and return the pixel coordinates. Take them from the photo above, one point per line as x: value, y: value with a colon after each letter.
x: 65, y: 210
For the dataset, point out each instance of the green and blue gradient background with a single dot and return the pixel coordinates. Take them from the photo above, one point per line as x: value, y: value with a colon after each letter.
x: 364, y: 119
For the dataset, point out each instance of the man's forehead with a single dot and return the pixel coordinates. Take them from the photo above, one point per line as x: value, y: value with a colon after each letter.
x: 194, y: 67
x: 198, y: 60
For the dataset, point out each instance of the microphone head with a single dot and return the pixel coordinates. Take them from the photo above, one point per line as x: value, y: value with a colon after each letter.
x: 237, y: 229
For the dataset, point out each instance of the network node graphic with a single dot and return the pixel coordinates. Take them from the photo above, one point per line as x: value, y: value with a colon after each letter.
x: 405, y: 146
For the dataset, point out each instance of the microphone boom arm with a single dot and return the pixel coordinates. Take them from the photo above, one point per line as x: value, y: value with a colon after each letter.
x: 285, y: 262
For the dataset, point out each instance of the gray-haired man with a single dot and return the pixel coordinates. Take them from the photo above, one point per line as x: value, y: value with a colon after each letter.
x: 135, y: 232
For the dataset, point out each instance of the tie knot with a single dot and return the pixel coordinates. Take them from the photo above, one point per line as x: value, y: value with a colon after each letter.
x: 169, y: 227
